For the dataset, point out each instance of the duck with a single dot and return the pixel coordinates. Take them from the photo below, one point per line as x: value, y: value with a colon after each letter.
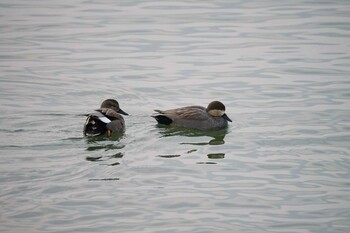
x: 105, y: 120
x: 213, y: 117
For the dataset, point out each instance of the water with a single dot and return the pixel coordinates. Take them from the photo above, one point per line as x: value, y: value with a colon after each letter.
x: 281, y: 69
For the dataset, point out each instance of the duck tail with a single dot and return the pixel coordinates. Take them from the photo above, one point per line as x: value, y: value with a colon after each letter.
x: 93, y: 126
x: 161, y: 119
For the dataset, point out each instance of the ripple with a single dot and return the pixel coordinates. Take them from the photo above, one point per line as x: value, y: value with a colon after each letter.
x: 281, y: 69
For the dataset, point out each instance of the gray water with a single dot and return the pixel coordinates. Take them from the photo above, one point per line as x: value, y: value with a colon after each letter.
x: 280, y: 67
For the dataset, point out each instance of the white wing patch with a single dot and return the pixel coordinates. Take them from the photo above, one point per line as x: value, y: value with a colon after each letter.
x: 100, y: 116
x: 104, y: 119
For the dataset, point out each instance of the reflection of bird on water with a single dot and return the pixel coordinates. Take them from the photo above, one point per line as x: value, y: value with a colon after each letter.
x: 217, y: 136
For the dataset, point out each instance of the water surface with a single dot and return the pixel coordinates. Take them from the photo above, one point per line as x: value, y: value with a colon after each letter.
x: 281, y: 69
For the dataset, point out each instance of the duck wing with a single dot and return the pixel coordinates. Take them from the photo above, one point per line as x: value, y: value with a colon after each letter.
x: 189, y: 113
x: 99, y: 115
x: 109, y: 113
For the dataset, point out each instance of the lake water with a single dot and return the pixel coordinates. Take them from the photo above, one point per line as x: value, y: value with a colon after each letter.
x: 281, y: 68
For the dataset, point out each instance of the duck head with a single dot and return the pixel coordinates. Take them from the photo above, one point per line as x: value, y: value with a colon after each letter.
x: 217, y: 109
x: 113, y: 104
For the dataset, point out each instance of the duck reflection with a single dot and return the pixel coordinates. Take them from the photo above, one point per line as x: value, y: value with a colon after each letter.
x: 102, y: 138
x: 216, y: 156
x: 217, y: 135
x: 100, y: 149
x: 216, y: 138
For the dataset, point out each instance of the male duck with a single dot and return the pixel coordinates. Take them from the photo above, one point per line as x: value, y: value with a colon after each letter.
x: 197, y: 117
x: 106, y: 119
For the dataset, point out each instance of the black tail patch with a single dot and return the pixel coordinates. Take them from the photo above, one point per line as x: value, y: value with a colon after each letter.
x: 163, y: 119
x: 94, y: 127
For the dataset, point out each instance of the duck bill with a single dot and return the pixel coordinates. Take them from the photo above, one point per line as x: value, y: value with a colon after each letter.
x: 122, y: 112
x: 226, y: 117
